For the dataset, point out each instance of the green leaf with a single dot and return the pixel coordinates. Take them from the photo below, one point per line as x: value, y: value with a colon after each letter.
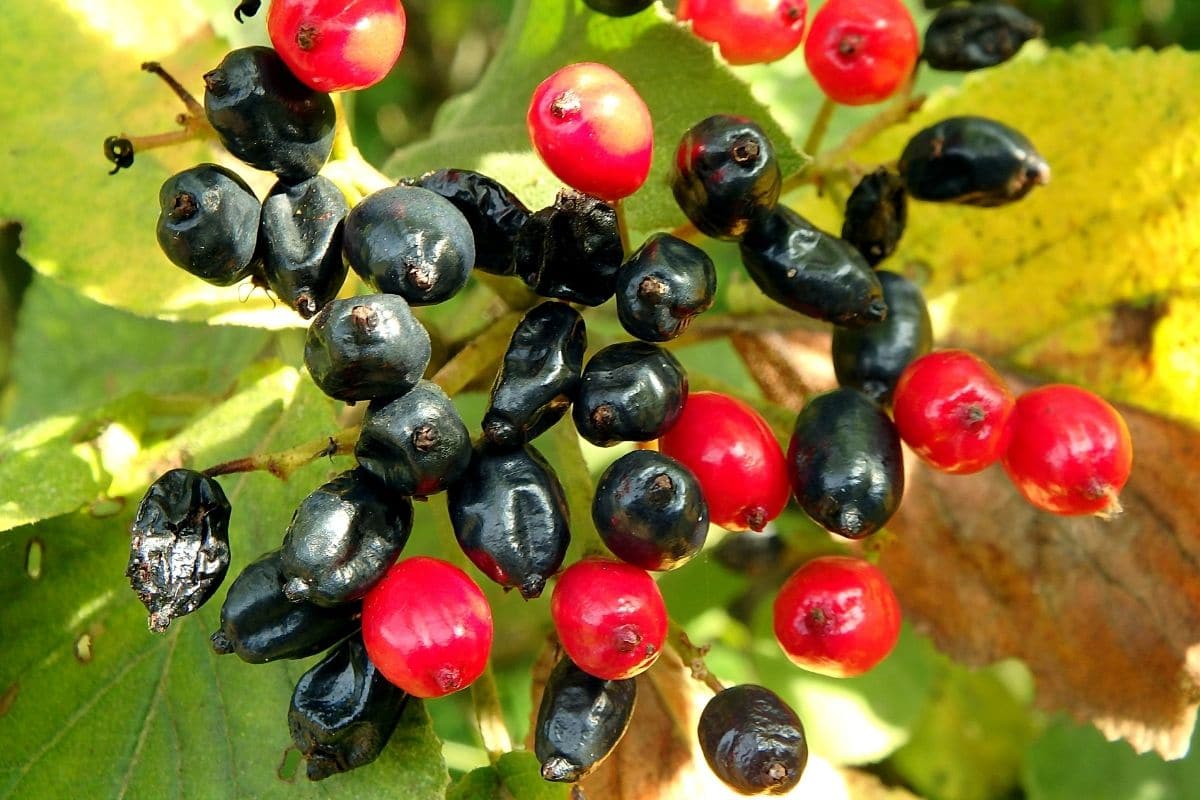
x: 45, y: 472
x: 516, y: 774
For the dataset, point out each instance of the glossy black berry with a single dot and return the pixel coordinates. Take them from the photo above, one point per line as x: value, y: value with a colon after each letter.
x: 208, y: 223
x: 845, y: 463
x: 493, y: 212
x: 753, y: 741
x: 631, y: 392
x: 971, y: 160
x: 876, y: 214
x: 260, y: 624
x: 571, y: 250
x: 663, y: 286
x: 412, y: 242
x: 343, y: 711
x: 580, y: 720
x: 650, y: 511
x: 415, y: 444
x: 365, y: 347
x: 301, y: 235
x: 725, y: 175
x: 539, y: 377
x: 266, y: 117
x: 810, y: 271
x: 510, y: 517
x: 871, y: 358
x: 179, y: 548
x: 969, y: 37
x: 618, y: 8
x: 342, y: 539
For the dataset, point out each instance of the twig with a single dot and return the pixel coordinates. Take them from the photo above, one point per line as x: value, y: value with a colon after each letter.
x: 693, y: 657
x: 820, y: 126
x: 489, y: 716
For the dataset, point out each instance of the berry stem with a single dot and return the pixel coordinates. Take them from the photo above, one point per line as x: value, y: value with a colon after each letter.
x: 692, y: 656
x: 285, y: 462
x: 489, y: 717
x: 765, y: 356
x: 622, y: 227
x: 820, y: 127
x: 347, y: 168
x: 479, y: 355
x: 577, y: 483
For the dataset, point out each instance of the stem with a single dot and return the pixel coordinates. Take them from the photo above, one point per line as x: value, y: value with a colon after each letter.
x: 353, y: 174
x: 693, y: 656
x: 286, y: 462
x: 480, y: 354
x: 489, y: 717
x: 120, y: 150
x: 577, y: 483
x: 622, y: 227
x: 904, y: 107
x: 819, y: 127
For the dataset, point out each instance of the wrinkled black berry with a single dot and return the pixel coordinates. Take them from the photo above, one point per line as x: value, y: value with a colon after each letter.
x: 580, y: 720
x: 631, y: 392
x: 753, y: 741
x: 663, y: 286
x: 751, y: 554
x: 845, y: 463
x: 266, y: 117
x: 342, y: 539
x: 650, y: 511
x: 539, y: 377
x: 571, y: 250
x: 510, y: 517
x: 971, y: 160
x: 301, y: 234
x: 725, y: 175
x: 208, y: 224
x: 412, y: 242
x: 365, y: 347
x: 493, y: 212
x: 343, y: 711
x: 618, y: 8
x: 871, y: 358
x: 179, y: 548
x: 415, y: 444
x: 963, y: 38
x: 810, y: 271
x: 876, y: 214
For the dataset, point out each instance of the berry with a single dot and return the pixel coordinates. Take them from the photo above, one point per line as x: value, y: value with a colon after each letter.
x: 871, y: 358
x: 964, y: 38
x: 267, y: 118
x: 610, y: 617
x: 618, y: 8
x: 725, y: 175
x: 753, y: 555
x: 845, y: 463
x: 650, y: 511
x: 580, y: 720
x: 735, y: 457
x: 876, y: 213
x: 971, y: 160
x: 301, y: 235
x: 630, y: 392
x: 342, y: 539
x: 747, y: 31
x: 592, y: 129
x: 427, y: 627
x: 837, y: 616
x: 809, y: 271
x: 208, y: 224
x: 493, y: 212
x: 365, y: 347
x: 861, y: 51
x: 337, y: 45
x: 343, y: 711
x: 954, y: 411
x: 412, y: 242
x: 179, y: 548
x: 753, y: 740
x: 1070, y: 451
x: 663, y: 286
x: 571, y: 250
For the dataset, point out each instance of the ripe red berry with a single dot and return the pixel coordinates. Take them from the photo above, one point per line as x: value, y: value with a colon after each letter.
x: 1070, y: 451
x: 610, y: 617
x: 427, y: 627
x: 748, y: 31
x: 861, y: 51
x: 953, y: 410
x: 735, y: 456
x: 837, y: 615
x: 593, y: 130
x: 336, y: 45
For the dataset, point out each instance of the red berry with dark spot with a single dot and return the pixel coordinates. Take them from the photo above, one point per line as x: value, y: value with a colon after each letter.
x: 861, y: 51
x: 748, y: 31
x: 336, y: 45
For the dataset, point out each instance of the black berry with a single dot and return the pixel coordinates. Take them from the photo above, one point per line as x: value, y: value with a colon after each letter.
x: 301, y: 235
x: 571, y: 250
x: 618, y: 8
x: 663, y: 286
x: 208, y: 223
x: 969, y: 37
x: 580, y: 720
x: 876, y: 214
x: 751, y: 554
x: 631, y: 392
x: 493, y: 212
x: 753, y: 741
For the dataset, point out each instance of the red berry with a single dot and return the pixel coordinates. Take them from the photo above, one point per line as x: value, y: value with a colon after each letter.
x: 861, y: 51
x: 748, y: 31
x: 1070, y: 451
x: 427, y: 627
x: 593, y: 130
x: 953, y: 410
x: 335, y: 45
x: 735, y: 456
x: 838, y: 616
x: 610, y: 617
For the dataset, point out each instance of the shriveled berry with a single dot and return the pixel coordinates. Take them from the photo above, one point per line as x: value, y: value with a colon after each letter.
x: 510, y: 517
x: 571, y: 250
x: 338, y: 45
x: 861, y: 51
x: 494, y: 213
x: 663, y: 286
x: 969, y: 37
x: 208, y: 224
x: 747, y: 31
x: 179, y: 548
x: 753, y: 740
x: 618, y: 8
x: 301, y: 233
x: 876, y: 214
x: 539, y: 376
x: 415, y: 444
x: 631, y: 392
x: 412, y: 242
x: 580, y: 720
